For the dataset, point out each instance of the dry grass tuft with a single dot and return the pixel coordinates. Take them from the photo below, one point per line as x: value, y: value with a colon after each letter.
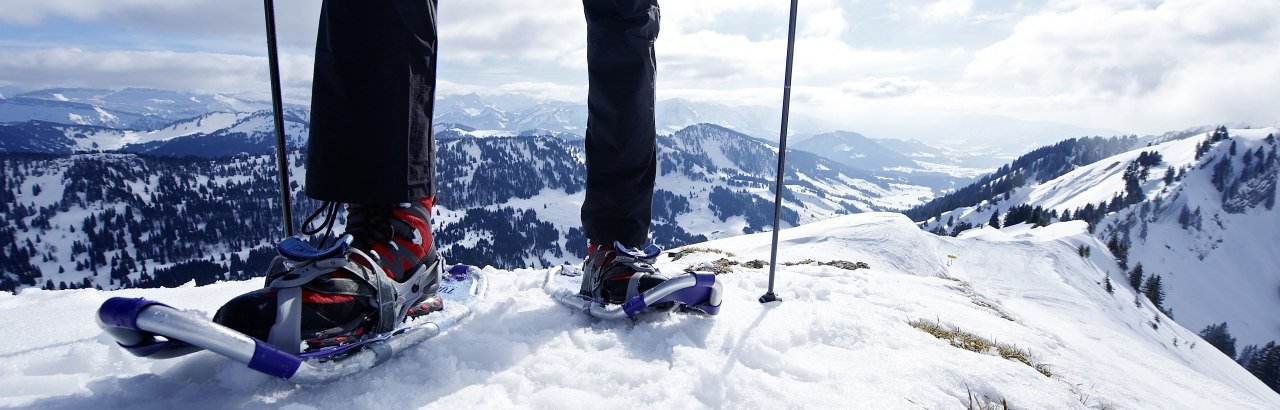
x: 675, y: 256
x: 839, y: 264
x: 978, y: 344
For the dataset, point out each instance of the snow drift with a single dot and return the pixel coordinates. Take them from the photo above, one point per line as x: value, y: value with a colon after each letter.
x: 842, y: 337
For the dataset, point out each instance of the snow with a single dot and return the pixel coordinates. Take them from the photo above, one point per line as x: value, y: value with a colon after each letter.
x: 839, y: 337
x: 201, y: 125
x: 1225, y: 271
x: 60, y: 97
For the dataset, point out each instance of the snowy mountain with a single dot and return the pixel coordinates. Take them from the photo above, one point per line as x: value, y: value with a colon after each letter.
x: 986, y: 136
x: 506, y: 200
x: 223, y: 134
x: 21, y: 109
x: 942, y: 172
x: 1023, y: 323
x: 129, y: 108
x: 209, y: 135
x: 515, y: 113
x: 855, y: 150
x: 1197, y: 212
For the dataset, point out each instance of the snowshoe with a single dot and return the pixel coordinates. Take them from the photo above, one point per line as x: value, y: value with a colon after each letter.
x: 620, y: 282
x: 155, y: 330
x: 334, y: 301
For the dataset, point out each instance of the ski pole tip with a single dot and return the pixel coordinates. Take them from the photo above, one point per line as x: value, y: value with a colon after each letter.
x: 770, y: 298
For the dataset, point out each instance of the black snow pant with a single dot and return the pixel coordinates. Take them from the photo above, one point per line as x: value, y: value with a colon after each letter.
x: 372, y: 101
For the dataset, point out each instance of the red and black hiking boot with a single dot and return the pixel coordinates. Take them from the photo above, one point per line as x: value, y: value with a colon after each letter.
x: 341, y: 306
x: 615, y: 273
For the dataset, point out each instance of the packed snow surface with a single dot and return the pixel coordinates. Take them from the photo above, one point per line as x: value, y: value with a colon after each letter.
x: 841, y: 338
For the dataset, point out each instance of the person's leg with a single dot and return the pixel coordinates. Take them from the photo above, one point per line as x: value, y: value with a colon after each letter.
x: 371, y: 102
x: 620, y: 145
x: 620, y: 139
x: 371, y: 148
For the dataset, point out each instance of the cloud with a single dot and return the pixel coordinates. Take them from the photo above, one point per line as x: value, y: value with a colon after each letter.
x: 1134, y: 65
x: 1098, y: 48
x: 198, y: 71
x: 295, y: 19
x: 488, y: 31
x: 874, y: 87
x: 1176, y: 62
x: 946, y: 10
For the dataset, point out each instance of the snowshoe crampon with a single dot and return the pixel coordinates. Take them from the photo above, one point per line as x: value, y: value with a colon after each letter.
x: 696, y: 292
x: 152, y: 329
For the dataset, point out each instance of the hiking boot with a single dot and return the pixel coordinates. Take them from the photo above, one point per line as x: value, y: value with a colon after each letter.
x: 615, y: 273
x: 341, y: 307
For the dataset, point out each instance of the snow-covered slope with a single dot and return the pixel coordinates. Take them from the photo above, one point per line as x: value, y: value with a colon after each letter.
x: 840, y: 337
x: 1213, y: 243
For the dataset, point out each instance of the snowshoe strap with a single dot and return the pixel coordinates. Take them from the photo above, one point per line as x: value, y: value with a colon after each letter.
x: 286, y: 333
x: 385, y: 295
x: 288, y: 282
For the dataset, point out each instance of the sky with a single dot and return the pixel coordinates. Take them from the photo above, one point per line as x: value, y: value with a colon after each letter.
x: 888, y: 68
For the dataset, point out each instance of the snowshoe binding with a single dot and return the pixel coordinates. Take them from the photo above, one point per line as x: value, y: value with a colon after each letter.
x: 618, y: 281
x: 383, y: 271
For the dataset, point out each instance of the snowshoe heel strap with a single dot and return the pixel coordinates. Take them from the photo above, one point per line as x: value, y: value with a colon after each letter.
x: 633, y: 284
x: 286, y: 333
x: 288, y: 281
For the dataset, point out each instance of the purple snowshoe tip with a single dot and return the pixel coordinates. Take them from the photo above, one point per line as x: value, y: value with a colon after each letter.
x: 458, y: 272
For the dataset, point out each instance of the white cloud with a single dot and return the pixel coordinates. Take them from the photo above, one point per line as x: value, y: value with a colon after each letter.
x: 502, y: 31
x: 1133, y: 65
x: 825, y: 23
x: 875, y: 87
x: 1177, y: 63
x: 946, y: 10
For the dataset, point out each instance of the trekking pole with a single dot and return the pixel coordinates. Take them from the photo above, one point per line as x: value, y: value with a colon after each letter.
x: 782, y: 156
x: 277, y: 109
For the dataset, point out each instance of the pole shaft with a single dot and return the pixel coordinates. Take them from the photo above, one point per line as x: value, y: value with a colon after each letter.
x: 277, y: 108
x: 782, y: 146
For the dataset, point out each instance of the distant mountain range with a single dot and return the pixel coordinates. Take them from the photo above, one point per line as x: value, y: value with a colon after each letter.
x: 130, y: 108
x: 513, y: 113
x: 48, y: 124
x: 507, y: 197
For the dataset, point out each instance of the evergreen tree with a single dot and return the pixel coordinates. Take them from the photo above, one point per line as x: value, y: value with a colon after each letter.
x: 1222, y: 173
x: 1154, y: 290
x: 1169, y: 175
x: 1106, y: 284
x: 995, y: 219
x: 1246, y: 354
x: 1135, y: 278
x: 1218, y: 336
x: 1120, y: 250
x: 1265, y: 365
